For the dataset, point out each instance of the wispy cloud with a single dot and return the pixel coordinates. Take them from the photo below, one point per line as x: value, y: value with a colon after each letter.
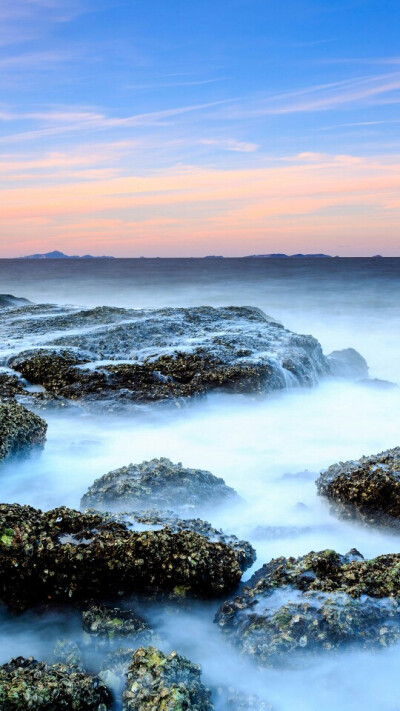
x: 230, y: 144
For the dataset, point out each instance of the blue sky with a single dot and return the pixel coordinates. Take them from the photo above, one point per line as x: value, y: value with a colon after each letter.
x: 119, y: 100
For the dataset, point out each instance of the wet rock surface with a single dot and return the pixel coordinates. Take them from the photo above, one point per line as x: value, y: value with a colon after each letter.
x: 347, y: 363
x: 158, y: 484
x: 116, y: 356
x: 367, y: 488
x: 169, y: 682
x: 26, y: 684
x: 8, y: 300
x: 107, y: 624
x: 231, y: 699
x: 20, y: 430
x: 66, y: 556
x: 319, y: 602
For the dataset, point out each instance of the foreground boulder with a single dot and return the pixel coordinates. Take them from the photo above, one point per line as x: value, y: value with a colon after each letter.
x: 119, y: 356
x: 153, y: 520
x: 20, y: 430
x: 105, y: 625
x: 169, y: 682
x: 367, y: 489
x: 26, y: 684
x: 157, y: 484
x: 319, y: 602
x: 66, y: 556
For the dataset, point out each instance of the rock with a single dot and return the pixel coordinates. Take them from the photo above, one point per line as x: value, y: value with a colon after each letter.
x: 316, y: 603
x: 27, y: 684
x: 20, y: 430
x: 347, y: 363
x: 377, y: 384
x: 67, y: 652
x: 106, y: 624
x: 231, y: 699
x: 159, y: 484
x: 114, y: 357
x: 66, y: 556
x: 10, y: 385
x: 7, y: 300
x: 153, y: 519
x: 367, y: 488
x: 169, y: 682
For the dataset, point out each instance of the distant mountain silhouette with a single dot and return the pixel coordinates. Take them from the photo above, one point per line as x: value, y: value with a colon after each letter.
x: 279, y: 255
x: 60, y: 255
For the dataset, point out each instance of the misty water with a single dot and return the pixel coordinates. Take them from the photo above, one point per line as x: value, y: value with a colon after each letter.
x: 269, y: 449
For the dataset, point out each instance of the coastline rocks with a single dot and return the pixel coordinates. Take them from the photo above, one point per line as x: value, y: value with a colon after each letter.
x: 348, y: 363
x: 159, y: 681
x: 318, y: 602
x: 8, y: 300
x: 20, y: 430
x: 66, y: 556
x: 26, y: 684
x: 106, y: 624
x: 367, y: 489
x: 154, y: 520
x: 160, y: 484
x: 120, y: 356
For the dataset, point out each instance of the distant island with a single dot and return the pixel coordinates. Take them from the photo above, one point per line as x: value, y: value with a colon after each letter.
x: 60, y: 255
x: 278, y: 255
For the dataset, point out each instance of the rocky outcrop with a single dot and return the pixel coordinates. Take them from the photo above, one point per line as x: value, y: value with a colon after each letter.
x: 347, y: 363
x: 66, y: 556
x: 367, y: 489
x: 157, y: 484
x: 20, y: 430
x: 317, y: 603
x: 118, y: 356
x: 8, y: 300
x: 26, y: 684
x: 169, y: 682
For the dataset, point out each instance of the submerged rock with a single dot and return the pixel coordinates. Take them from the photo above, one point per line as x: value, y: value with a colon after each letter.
x: 169, y: 682
x: 106, y: 624
x: 66, y: 556
x: 27, y: 684
x: 347, y: 363
x: 20, y: 430
x: 158, y: 484
x: 318, y: 602
x: 367, y: 488
x: 231, y: 699
x: 125, y: 355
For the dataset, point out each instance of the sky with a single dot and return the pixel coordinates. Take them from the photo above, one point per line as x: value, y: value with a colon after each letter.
x: 195, y: 127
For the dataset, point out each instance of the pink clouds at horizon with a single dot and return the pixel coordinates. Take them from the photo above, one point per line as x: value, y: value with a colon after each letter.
x: 338, y: 204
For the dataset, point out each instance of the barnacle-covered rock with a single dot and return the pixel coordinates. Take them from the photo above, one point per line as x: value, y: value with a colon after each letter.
x: 10, y: 385
x: 108, y: 624
x: 319, y: 602
x: 63, y: 555
x: 367, y: 489
x: 158, y: 484
x: 20, y: 430
x: 67, y: 652
x: 112, y: 357
x: 168, y: 682
x: 28, y: 685
x: 153, y: 519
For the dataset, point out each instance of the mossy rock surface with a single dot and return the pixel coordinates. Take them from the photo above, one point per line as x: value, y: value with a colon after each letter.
x: 20, y: 430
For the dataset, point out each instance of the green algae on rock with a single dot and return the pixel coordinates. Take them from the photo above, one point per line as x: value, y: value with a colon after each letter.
x: 28, y: 685
x: 107, y: 624
x: 157, y: 484
x: 166, y: 682
x: 20, y: 430
x: 318, y: 602
x: 367, y: 489
x: 66, y: 556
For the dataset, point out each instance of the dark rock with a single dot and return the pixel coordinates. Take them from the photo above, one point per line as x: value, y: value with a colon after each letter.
x: 169, y: 682
x: 347, y: 363
x: 10, y: 386
x: 246, y: 555
x: 367, y: 488
x: 160, y: 354
x: 160, y: 484
x: 20, y: 430
x: 27, y: 684
x: 318, y: 602
x: 7, y: 300
x: 106, y: 624
x: 66, y: 556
